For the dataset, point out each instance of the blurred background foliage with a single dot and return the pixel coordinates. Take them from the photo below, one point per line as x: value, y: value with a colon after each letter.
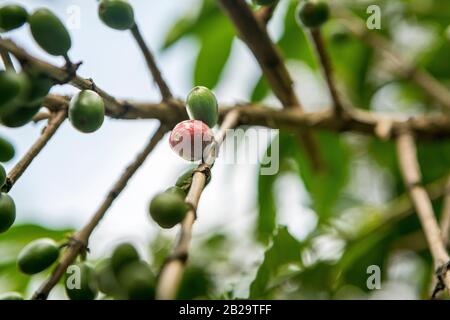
x: 362, y: 215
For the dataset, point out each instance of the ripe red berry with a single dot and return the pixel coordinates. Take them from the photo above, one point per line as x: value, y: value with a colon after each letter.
x: 191, y: 140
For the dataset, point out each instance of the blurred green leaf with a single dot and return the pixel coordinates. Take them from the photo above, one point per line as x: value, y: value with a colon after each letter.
x: 352, y: 61
x: 196, y: 284
x: 325, y: 185
x: 437, y: 61
x: 316, y: 281
x: 192, y: 24
x: 266, y: 221
x: 214, y: 52
x: 359, y: 255
x: 260, y: 90
x: 284, y: 250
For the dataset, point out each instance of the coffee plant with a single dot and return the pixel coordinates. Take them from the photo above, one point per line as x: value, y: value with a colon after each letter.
x: 372, y: 162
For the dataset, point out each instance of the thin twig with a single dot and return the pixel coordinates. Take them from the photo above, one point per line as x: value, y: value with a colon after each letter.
x: 172, y: 271
x: 427, y: 127
x: 80, y: 239
x: 7, y: 61
x: 255, y: 35
x: 445, y: 216
x: 151, y: 63
x: 327, y: 69
x: 359, y: 121
x: 54, y: 123
x: 407, y: 155
x: 265, y: 13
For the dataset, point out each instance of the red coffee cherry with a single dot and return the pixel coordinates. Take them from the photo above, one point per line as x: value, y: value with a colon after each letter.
x: 192, y: 140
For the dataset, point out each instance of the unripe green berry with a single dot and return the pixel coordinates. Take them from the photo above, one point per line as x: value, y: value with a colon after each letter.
x: 11, y: 296
x: 168, y: 209
x: 123, y: 254
x: 12, y: 17
x: 37, y: 256
x: 196, y: 283
x: 177, y: 191
x: 84, y: 288
x: 201, y: 104
x: 20, y: 116
x: 39, y: 87
x: 137, y: 281
x: 49, y: 32
x: 116, y: 14
x: 13, y: 86
x: 87, y: 111
x: 264, y: 2
x: 106, y: 279
x: 7, y: 212
x: 7, y: 151
x: 312, y: 14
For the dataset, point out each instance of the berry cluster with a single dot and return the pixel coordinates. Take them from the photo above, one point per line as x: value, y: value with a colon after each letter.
x: 192, y: 140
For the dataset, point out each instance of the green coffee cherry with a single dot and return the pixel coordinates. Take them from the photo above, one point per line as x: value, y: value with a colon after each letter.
x: 312, y: 14
x: 2, y: 176
x: 85, y: 288
x: 168, y: 209
x: 201, y: 105
x: 196, y: 284
x: 185, y: 180
x: 116, y: 14
x: 7, y: 151
x: 264, y: 2
x: 106, y: 279
x: 20, y: 116
x: 37, y: 256
x: 12, y: 17
x: 87, y: 111
x: 13, y: 87
x: 11, y: 296
x: 7, y: 212
x: 137, y: 281
x: 177, y: 191
x: 49, y: 32
x: 40, y: 86
x: 123, y: 255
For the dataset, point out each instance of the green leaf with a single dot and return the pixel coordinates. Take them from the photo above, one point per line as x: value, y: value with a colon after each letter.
x: 437, y: 61
x: 434, y: 157
x: 260, y: 90
x: 284, y: 250
x: 266, y: 221
x: 181, y: 28
x: 193, y: 25
x: 317, y: 281
x: 360, y: 254
x: 214, y: 52
x: 326, y: 185
x: 352, y: 61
